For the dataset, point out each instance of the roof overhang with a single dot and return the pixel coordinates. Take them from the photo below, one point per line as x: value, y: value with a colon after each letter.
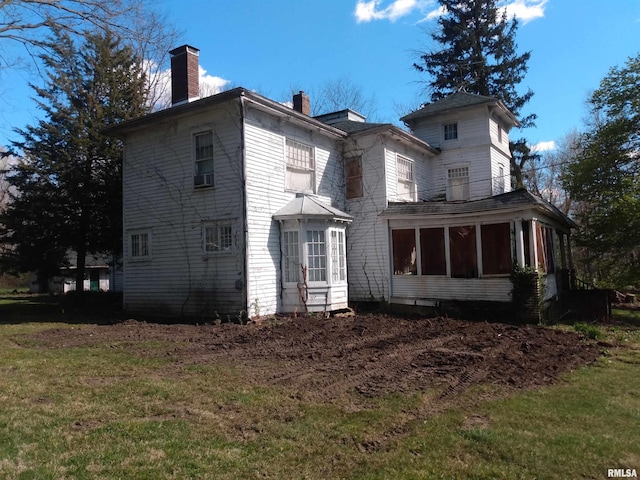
x: 305, y: 207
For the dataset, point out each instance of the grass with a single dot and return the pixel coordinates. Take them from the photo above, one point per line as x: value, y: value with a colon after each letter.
x: 102, y: 412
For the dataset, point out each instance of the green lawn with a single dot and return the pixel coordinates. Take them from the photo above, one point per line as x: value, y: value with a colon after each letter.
x: 101, y: 412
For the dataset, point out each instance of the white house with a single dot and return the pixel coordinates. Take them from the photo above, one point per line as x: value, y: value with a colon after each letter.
x: 237, y: 204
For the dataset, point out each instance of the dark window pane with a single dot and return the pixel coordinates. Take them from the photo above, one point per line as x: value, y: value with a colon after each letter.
x: 404, y: 252
x: 496, y: 248
x: 432, y: 251
x: 462, y: 247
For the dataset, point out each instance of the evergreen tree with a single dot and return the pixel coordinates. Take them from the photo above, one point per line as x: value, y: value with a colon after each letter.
x: 477, y: 52
x: 604, y: 180
x: 69, y: 183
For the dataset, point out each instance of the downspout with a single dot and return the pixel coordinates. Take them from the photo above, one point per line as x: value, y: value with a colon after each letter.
x: 245, y: 223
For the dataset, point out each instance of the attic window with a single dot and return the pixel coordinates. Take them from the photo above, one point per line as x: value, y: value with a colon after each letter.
x: 451, y: 131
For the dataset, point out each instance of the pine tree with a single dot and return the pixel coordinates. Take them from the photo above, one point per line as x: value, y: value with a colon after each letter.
x: 477, y: 52
x: 70, y: 179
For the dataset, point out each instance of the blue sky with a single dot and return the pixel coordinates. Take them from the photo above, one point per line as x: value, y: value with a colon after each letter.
x: 274, y: 46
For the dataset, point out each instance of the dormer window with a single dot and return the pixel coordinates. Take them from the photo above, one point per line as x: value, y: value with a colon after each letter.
x: 451, y: 131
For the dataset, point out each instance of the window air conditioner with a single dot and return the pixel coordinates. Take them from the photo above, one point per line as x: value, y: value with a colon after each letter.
x: 203, y: 180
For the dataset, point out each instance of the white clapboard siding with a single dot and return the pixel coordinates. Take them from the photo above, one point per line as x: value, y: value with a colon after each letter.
x: 159, y: 198
x: 265, y: 189
x: 434, y: 287
x: 367, y: 237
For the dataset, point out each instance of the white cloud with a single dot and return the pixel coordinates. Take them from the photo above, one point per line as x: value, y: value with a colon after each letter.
x: 160, y: 84
x: 526, y: 10
x: 368, y: 10
x: 544, y: 146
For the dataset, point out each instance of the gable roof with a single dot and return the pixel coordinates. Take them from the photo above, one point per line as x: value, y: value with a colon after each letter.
x: 457, y: 101
x: 355, y: 128
x: 516, y: 200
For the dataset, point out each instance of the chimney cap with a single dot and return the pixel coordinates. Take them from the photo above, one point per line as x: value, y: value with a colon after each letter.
x: 184, y: 48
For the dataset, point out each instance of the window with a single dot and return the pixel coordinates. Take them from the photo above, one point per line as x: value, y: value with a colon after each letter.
x: 404, y: 252
x: 139, y: 245
x: 300, y: 167
x: 462, y: 250
x: 545, y: 248
x: 432, y: 251
x: 499, y: 134
x: 405, y: 177
x: 203, y: 153
x: 451, y: 131
x: 496, y: 249
x: 316, y: 256
x: 458, y: 183
x: 338, y: 258
x: 218, y: 238
x: 498, y: 182
x: 291, y: 256
x: 353, y: 167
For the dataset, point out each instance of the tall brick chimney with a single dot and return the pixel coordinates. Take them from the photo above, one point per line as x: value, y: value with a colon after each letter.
x: 185, y: 77
x: 301, y: 103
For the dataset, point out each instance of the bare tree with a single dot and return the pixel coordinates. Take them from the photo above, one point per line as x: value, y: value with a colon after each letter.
x: 339, y: 94
x: 29, y: 24
x: 544, y: 176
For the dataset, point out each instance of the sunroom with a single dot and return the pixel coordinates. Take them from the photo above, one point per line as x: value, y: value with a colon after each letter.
x: 313, y: 256
x: 449, y: 251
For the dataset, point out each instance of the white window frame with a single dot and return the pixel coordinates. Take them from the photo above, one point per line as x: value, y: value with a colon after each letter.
x: 450, y: 131
x: 203, y: 173
x: 338, y: 257
x: 139, y: 245
x: 316, y: 255
x: 218, y: 238
x: 291, y: 256
x: 300, y: 158
x: 453, y: 186
x: 499, y: 185
x: 405, y: 172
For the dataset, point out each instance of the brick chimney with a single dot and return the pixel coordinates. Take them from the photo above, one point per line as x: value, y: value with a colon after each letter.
x: 301, y: 103
x: 185, y: 77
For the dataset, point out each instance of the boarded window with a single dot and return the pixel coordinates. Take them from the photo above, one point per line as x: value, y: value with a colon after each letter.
x: 353, y: 167
x: 462, y: 249
x: 404, y: 252
x: 496, y: 249
x: 432, y: 251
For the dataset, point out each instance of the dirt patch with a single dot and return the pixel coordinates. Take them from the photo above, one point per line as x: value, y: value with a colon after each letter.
x: 364, y: 356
